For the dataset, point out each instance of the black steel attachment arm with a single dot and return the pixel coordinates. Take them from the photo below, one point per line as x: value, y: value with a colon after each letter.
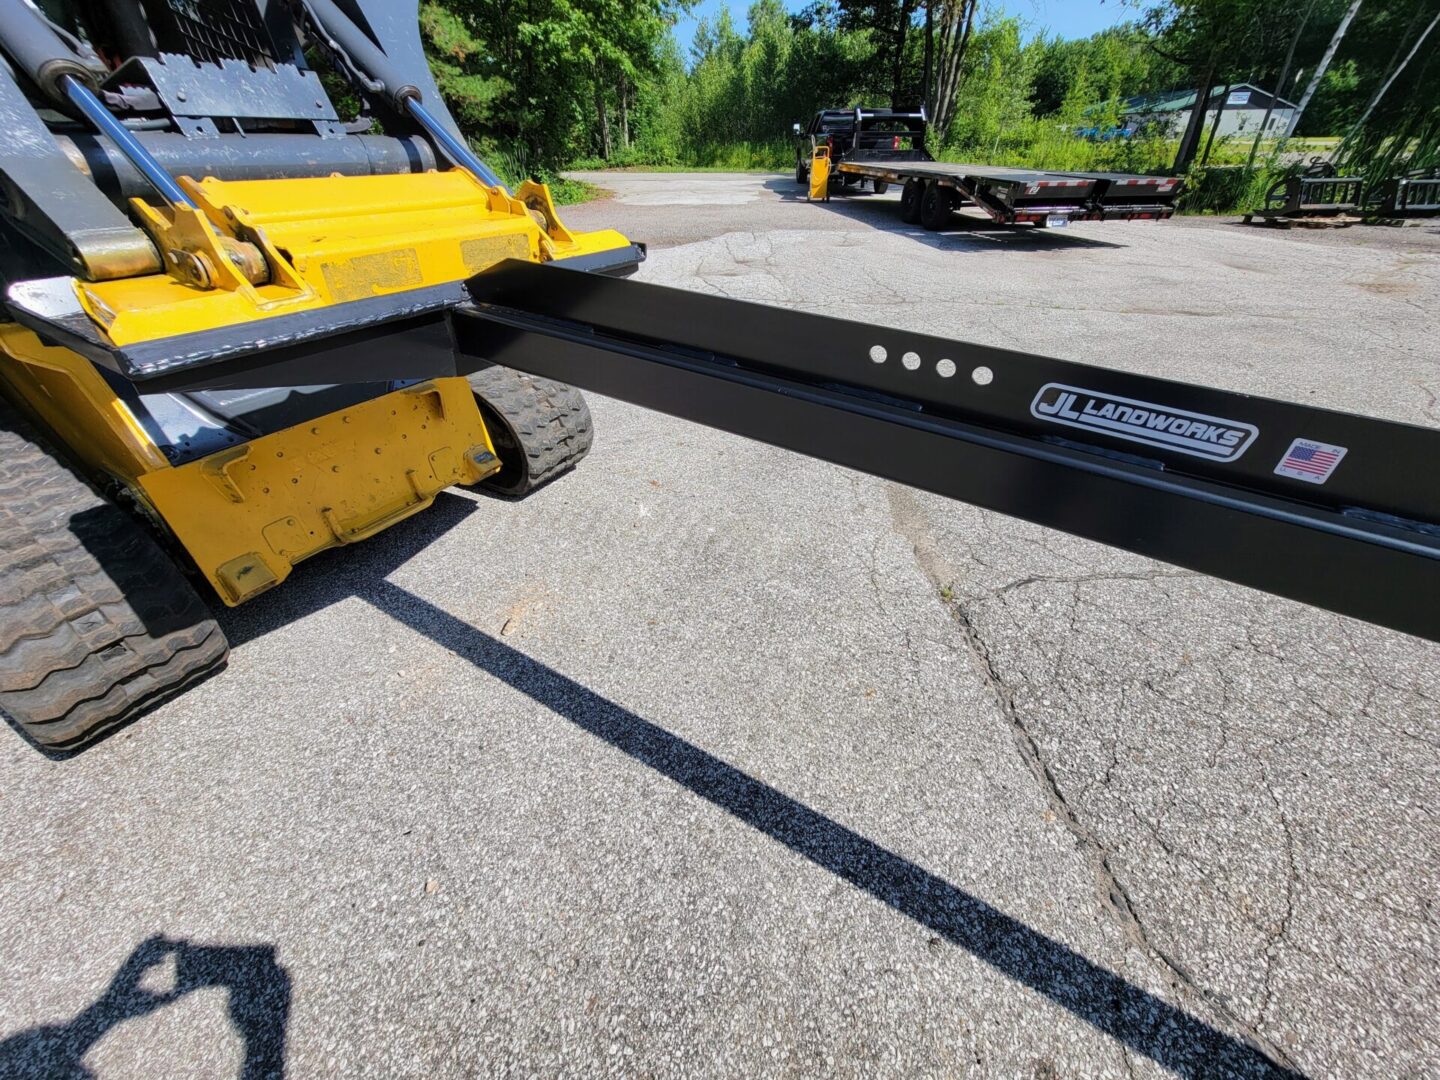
x: 1335, y: 510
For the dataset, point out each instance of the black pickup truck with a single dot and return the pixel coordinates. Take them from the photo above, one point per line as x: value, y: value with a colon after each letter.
x: 853, y: 134
x: 881, y: 147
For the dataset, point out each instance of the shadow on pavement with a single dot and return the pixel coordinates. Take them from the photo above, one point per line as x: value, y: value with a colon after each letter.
x: 969, y: 229
x: 1169, y: 1035
x: 259, y: 1007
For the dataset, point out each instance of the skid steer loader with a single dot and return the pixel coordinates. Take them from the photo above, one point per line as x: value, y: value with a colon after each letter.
x: 241, y: 328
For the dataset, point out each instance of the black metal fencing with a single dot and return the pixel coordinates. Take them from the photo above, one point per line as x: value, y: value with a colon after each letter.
x: 1416, y: 193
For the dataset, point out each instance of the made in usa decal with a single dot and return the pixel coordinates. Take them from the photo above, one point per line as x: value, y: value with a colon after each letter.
x: 1177, y: 430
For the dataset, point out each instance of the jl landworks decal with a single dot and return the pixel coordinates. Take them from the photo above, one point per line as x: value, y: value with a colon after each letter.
x: 1161, y: 426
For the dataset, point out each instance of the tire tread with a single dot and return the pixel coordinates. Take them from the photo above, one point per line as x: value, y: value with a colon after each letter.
x: 548, y: 420
x: 86, y: 644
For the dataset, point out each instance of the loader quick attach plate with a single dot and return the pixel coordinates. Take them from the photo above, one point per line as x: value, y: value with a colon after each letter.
x: 391, y: 338
x: 1335, y: 510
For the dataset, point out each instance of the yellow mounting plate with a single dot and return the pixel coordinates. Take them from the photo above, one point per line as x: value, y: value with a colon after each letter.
x: 329, y: 240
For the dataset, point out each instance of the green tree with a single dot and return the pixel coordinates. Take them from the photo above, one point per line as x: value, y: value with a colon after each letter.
x: 994, y: 99
x: 548, y: 82
x: 949, y: 25
x: 540, y: 77
x: 891, y: 26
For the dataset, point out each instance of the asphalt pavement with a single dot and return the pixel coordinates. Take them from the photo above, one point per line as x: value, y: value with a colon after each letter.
x: 710, y: 760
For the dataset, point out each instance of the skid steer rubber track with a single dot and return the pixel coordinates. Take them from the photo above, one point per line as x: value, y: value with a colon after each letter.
x: 96, y: 621
x: 540, y: 428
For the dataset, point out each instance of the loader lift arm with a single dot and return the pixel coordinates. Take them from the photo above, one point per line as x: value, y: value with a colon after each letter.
x: 1331, y: 509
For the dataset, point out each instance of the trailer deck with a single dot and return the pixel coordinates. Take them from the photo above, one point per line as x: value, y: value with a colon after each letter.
x: 1016, y: 196
x: 887, y: 146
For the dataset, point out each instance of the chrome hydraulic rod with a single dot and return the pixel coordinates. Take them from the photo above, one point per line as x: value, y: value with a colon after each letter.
x: 460, y: 154
x: 54, y: 66
x: 94, y: 110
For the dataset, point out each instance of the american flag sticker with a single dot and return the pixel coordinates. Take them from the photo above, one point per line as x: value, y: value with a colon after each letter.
x: 1310, y: 461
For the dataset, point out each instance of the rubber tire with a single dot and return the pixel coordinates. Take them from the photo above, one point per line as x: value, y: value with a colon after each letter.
x: 96, y: 622
x: 880, y: 186
x: 910, y: 196
x: 936, y: 206
x: 540, y: 428
x: 802, y: 174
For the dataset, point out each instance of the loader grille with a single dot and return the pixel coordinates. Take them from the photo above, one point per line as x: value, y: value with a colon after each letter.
x: 214, y: 30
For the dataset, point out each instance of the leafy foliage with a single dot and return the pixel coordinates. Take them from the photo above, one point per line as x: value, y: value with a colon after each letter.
x: 548, y: 83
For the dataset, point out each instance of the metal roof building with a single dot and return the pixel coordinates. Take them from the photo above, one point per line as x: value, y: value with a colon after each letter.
x: 1242, y: 110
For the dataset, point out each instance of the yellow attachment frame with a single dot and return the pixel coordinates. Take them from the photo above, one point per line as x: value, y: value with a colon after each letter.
x: 70, y: 397
x: 278, y: 246
x: 820, y: 174
x: 247, y: 515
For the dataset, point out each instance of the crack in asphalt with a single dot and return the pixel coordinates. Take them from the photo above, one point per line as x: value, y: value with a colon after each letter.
x: 1276, y: 937
x: 1431, y: 407
x: 1114, y: 898
x: 1082, y: 579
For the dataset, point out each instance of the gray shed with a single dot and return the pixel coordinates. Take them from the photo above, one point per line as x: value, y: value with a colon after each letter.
x: 1242, y: 110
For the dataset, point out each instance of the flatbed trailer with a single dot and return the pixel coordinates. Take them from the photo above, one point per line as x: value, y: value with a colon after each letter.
x: 1019, y: 196
x: 884, y: 146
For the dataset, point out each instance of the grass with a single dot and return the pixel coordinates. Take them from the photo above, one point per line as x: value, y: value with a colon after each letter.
x: 773, y: 155
x: 511, y: 168
x: 567, y: 191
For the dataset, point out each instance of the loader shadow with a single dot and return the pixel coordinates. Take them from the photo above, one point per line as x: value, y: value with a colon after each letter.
x: 1172, y: 1037
x: 259, y: 1008
x: 969, y: 230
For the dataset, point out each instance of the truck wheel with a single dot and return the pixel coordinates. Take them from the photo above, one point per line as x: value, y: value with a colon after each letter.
x: 802, y: 174
x: 935, y: 207
x: 96, y: 622
x: 540, y: 428
x: 880, y: 186
x: 910, y: 196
